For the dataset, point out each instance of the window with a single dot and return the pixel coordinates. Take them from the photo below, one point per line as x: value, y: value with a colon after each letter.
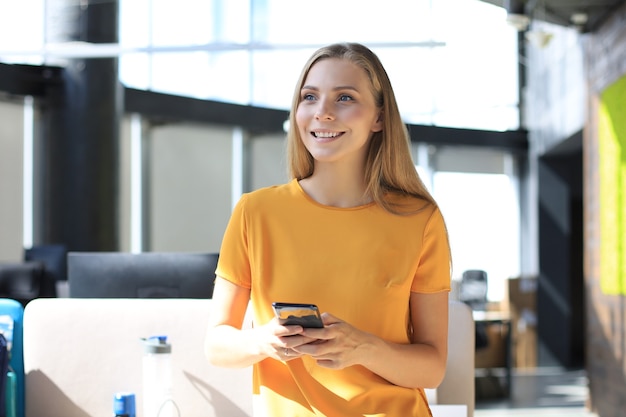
x: 482, y: 214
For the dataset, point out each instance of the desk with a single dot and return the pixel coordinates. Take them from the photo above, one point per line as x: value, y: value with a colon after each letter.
x: 503, y: 318
x: 448, y: 410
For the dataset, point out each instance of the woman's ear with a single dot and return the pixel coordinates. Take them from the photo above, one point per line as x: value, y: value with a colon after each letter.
x: 377, y: 126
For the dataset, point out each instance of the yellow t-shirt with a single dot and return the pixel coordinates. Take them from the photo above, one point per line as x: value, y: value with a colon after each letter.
x: 359, y: 264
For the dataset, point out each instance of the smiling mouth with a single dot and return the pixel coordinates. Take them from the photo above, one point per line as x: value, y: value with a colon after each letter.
x: 326, y: 135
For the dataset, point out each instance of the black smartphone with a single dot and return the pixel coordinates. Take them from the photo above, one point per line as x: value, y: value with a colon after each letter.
x: 305, y: 315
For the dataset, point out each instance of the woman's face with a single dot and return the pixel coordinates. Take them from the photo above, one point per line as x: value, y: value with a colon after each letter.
x: 337, y: 113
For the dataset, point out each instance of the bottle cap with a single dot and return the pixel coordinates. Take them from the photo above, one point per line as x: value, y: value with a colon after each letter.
x: 124, y: 404
x: 156, y: 344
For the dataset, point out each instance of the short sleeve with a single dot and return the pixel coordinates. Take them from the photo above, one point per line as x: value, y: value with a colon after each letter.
x: 234, y: 264
x: 434, y: 268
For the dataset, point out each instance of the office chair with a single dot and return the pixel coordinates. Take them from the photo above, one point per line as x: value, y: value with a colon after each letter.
x: 473, y: 292
x: 54, y: 260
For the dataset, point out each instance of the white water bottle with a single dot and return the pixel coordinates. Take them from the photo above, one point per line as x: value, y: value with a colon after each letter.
x: 158, y: 400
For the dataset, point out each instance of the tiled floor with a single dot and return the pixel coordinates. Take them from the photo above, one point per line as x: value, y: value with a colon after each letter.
x: 540, y: 392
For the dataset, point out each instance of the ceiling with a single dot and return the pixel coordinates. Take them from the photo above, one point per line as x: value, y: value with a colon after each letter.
x: 565, y: 12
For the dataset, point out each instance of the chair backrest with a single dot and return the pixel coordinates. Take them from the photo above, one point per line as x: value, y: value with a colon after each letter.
x: 79, y: 352
x: 54, y: 259
x: 21, y: 281
x: 458, y: 386
x: 141, y: 275
x: 473, y: 289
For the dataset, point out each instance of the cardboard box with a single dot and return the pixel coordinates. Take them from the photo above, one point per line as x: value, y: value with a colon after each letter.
x: 522, y: 303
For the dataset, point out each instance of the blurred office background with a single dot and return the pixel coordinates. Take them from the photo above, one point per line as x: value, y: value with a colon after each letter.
x: 135, y: 125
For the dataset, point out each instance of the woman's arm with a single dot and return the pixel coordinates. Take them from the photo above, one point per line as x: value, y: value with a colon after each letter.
x: 226, y: 344
x: 419, y: 364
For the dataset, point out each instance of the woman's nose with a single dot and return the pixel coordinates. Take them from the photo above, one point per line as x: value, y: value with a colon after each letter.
x: 323, y: 111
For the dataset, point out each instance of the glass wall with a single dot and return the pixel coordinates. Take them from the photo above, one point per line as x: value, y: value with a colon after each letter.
x: 477, y: 190
x: 22, y: 31
x: 452, y: 63
x: 482, y: 214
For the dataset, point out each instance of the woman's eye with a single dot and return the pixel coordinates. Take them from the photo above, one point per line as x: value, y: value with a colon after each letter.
x: 345, y: 97
x: 306, y: 97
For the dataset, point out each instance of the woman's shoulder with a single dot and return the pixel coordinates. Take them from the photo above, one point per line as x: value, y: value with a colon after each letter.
x: 270, y: 194
x: 273, y: 190
x: 406, y: 204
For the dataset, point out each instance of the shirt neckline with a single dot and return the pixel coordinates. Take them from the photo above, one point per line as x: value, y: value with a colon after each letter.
x: 310, y: 199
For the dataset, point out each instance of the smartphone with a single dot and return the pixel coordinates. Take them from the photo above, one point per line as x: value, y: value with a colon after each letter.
x: 305, y: 315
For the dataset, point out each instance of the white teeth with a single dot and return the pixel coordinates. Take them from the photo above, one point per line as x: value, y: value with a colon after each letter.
x: 326, y: 134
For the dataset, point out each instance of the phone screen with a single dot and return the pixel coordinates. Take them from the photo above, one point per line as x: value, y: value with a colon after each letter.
x: 305, y: 315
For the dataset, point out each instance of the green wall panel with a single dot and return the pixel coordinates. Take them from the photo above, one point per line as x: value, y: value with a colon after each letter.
x: 612, y: 161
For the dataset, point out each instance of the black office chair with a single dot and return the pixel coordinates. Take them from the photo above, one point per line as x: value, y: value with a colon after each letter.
x: 473, y: 292
x: 54, y: 260
x: 21, y: 281
x: 141, y: 275
x: 473, y: 289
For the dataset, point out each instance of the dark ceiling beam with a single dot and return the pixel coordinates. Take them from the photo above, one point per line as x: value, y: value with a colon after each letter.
x: 166, y: 108
x: 159, y: 107
x: 28, y: 80
x: 560, y: 12
x: 603, y: 15
x: 510, y: 140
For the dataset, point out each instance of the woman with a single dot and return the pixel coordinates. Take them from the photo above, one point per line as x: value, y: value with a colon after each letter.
x: 355, y: 232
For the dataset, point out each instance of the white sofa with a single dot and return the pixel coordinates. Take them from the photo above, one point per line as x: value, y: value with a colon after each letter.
x: 79, y: 352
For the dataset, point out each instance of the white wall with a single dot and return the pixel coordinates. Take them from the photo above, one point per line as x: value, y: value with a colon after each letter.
x: 466, y: 159
x: 190, y: 187
x: 124, y: 186
x: 268, y: 161
x: 11, y: 180
x: 190, y: 182
x: 188, y: 179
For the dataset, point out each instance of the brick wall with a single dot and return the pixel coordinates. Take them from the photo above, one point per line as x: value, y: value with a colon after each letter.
x: 605, y: 56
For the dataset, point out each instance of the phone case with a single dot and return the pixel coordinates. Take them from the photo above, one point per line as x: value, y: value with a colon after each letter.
x: 305, y: 315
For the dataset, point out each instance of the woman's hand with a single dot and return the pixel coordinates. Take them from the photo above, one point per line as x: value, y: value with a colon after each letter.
x: 227, y: 344
x: 336, y: 346
x: 419, y: 363
x: 281, y: 341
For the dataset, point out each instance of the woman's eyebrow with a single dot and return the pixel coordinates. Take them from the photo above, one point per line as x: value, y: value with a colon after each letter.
x: 339, y: 87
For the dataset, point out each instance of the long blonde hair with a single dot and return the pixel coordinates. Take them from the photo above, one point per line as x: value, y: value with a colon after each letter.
x: 389, y: 167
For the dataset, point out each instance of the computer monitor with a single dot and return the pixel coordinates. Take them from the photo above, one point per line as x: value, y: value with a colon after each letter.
x: 141, y: 275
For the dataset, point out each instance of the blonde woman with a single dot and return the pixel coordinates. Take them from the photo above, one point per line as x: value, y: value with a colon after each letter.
x: 354, y: 232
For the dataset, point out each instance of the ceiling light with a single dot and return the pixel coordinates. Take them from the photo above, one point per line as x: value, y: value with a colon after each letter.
x: 519, y: 21
x: 515, y: 14
x: 579, y: 19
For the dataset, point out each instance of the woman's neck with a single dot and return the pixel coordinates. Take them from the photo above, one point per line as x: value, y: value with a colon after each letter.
x: 336, y: 186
